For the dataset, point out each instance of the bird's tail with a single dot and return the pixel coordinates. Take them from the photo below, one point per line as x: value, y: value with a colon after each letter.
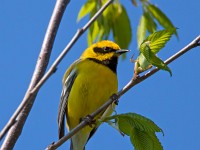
x: 71, y: 146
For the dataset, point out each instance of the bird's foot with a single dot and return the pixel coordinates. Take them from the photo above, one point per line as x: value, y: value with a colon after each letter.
x: 115, y: 99
x: 89, y: 119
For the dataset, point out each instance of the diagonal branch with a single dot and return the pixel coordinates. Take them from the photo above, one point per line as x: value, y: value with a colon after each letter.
x: 132, y: 83
x: 70, y: 44
x: 20, y: 115
x: 36, y: 84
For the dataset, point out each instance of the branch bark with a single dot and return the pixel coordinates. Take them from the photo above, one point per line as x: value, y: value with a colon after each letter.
x: 16, y: 123
x: 19, y: 117
x: 128, y: 86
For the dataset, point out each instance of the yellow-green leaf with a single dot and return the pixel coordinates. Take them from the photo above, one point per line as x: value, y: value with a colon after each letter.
x: 145, y: 49
x: 152, y: 58
x: 158, y: 39
x: 101, y: 34
x: 145, y: 140
x: 150, y: 25
x: 159, y: 63
x: 141, y: 30
x: 160, y: 17
x: 140, y: 129
x: 95, y: 30
x: 91, y: 35
x: 143, y: 64
x: 128, y: 121
x: 107, y: 20
x: 86, y: 8
x: 122, y: 29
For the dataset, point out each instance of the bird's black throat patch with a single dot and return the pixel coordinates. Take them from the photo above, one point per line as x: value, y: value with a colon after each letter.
x: 110, y: 63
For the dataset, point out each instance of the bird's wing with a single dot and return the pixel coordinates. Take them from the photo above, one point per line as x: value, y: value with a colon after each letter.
x: 68, y: 81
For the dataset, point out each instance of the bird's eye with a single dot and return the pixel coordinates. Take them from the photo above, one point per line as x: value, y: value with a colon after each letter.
x: 105, y: 49
x: 108, y: 49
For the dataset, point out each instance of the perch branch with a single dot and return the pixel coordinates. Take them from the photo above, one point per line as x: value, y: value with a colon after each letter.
x: 131, y: 83
x: 17, y: 120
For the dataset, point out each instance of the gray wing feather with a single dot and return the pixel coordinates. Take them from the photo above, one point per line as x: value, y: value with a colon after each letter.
x: 67, y: 85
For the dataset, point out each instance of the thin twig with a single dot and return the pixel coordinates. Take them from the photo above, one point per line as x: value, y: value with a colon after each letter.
x: 70, y: 44
x: 132, y: 82
x: 43, y: 59
x: 31, y: 93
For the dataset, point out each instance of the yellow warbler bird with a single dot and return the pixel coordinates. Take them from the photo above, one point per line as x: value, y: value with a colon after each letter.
x: 87, y: 84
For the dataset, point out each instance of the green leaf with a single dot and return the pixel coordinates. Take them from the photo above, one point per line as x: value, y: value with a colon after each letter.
x: 158, y: 39
x: 95, y: 31
x: 90, y: 34
x: 150, y: 25
x: 145, y: 140
x: 143, y: 63
x: 159, y: 63
x: 132, y: 120
x: 140, y: 129
x: 86, y: 8
x: 106, y: 22
x: 100, y: 29
x: 115, y: 19
x: 160, y: 17
x: 101, y: 34
x: 141, y: 30
x: 152, y: 58
x: 93, y: 28
x: 122, y: 28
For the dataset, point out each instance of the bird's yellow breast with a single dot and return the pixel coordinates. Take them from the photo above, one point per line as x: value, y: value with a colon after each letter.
x: 93, y: 86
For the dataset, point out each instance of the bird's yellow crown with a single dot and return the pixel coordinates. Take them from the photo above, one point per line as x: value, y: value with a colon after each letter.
x: 103, y: 50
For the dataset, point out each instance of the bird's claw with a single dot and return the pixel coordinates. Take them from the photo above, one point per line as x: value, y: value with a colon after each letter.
x: 114, y: 97
x: 89, y: 119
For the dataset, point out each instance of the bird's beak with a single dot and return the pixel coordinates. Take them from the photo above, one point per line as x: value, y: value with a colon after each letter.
x: 121, y: 51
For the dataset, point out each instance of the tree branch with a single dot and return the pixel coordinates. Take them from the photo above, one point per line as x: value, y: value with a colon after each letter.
x: 34, y: 88
x: 70, y: 44
x: 132, y: 83
x: 43, y: 60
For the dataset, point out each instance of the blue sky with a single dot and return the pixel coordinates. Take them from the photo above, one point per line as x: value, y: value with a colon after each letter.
x: 171, y: 102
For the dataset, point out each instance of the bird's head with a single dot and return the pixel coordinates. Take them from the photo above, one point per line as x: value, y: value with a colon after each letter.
x: 104, y: 50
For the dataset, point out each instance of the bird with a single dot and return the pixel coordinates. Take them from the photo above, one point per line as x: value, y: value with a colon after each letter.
x: 87, y: 84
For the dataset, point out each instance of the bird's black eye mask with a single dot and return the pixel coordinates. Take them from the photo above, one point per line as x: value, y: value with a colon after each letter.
x: 103, y: 50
